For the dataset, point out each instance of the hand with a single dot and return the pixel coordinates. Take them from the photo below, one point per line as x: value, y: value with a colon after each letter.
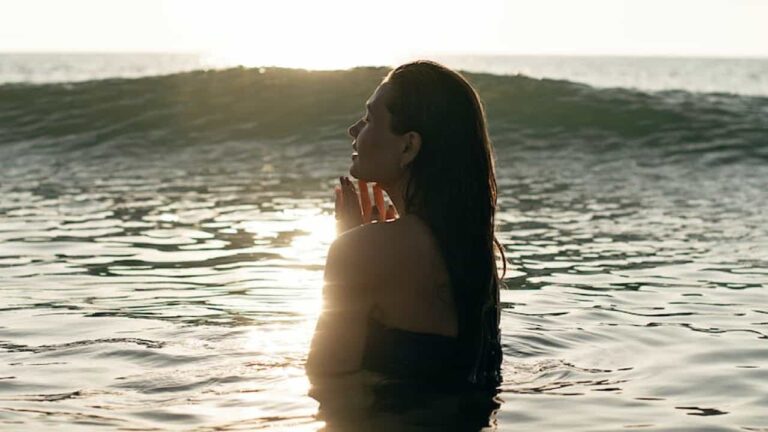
x: 353, y: 211
x: 347, y: 208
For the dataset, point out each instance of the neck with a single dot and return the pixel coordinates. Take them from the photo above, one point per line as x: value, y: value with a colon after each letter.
x: 396, y: 193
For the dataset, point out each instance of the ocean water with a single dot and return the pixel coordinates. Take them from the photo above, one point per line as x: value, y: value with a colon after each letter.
x: 162, y: 241
x: 747, y: 76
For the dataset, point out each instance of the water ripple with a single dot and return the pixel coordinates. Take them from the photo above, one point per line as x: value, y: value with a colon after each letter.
x: 181, y: 291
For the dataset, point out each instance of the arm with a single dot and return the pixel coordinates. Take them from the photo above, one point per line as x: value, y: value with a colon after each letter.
x: 339, y: 339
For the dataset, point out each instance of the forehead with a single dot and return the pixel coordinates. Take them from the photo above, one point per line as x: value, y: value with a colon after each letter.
x: 378, y: 98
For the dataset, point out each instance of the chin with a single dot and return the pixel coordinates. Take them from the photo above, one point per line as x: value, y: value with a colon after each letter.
x: 354, y: 171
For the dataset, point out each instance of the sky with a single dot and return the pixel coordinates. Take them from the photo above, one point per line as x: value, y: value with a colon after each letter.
x: 271, y: 30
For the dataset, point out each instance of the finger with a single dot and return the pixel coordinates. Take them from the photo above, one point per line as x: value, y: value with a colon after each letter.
x: 349, y: 195
x: 378, y: 195
x: 351, y: 203
x: 365, y: 200
x: 375, y: 213
x: 339, y: 204
x: 391, y: 212
x: 347, y: 187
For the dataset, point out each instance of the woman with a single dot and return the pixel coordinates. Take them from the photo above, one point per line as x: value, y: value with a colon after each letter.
x: 416, y: 297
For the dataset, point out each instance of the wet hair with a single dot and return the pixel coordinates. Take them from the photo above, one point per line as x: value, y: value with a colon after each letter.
x: 452, y: 187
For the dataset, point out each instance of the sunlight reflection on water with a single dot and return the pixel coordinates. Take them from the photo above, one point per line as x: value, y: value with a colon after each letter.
x: 168, y: 298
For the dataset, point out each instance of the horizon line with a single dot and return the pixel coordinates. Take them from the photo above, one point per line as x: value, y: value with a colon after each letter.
x: 436, y: 54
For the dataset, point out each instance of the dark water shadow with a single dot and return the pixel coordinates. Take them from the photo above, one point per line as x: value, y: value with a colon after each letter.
x: 365, y: 401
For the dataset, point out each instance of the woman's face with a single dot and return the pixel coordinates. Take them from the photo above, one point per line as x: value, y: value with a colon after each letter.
x: 377, y: 150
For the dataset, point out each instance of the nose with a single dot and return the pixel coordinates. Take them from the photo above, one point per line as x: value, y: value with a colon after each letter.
x: 352, y: 130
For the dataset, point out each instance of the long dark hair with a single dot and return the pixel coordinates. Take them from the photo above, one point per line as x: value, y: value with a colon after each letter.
x: 452, y: 187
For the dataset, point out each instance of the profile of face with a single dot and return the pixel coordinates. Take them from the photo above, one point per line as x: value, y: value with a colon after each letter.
x: 380, y: 155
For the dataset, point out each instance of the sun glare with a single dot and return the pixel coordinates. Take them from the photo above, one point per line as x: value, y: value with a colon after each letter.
x: 321, y: 231
x: 309, y: 35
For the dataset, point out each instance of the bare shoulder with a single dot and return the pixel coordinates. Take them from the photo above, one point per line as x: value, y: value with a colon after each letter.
x: 353, y: 256
x: 377, y: 240
x: 370, y: 253
x: 365, y: 245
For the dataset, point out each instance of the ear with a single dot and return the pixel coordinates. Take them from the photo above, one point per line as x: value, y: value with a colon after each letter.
x: 411, y: 148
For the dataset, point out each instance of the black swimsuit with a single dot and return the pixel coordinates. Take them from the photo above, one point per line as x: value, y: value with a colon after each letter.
x: 434, y: 358
x: 404, y: 354
x: 428, y: 358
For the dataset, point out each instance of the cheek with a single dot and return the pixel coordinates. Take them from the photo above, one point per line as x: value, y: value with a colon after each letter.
x: 386, y: 161
x: 365, y: 135
x: 376, y: 148
x: 370, y: 145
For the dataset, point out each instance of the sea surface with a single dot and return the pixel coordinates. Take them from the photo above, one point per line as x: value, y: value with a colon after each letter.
x: 164, y: 226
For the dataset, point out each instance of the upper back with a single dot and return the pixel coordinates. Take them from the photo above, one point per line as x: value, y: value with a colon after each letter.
x: 411, y: 282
